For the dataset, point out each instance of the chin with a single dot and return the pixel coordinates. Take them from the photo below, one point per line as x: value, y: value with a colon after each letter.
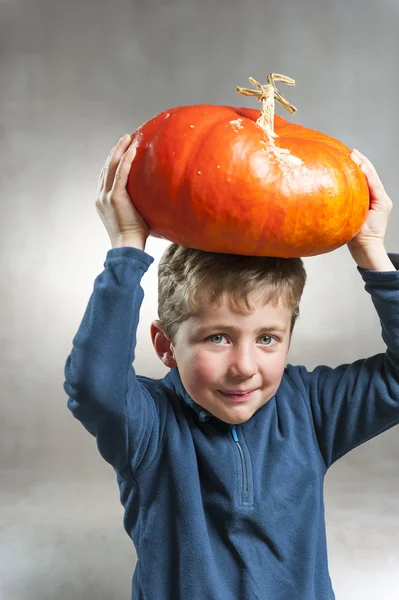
x: 237, y: 421
x: 237, y: 417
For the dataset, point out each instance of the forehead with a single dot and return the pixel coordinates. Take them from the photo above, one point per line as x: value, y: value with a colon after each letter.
x: 226, y: 301
x: 263, y: 312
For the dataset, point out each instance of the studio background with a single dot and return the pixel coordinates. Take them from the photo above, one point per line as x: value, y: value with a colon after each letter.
x: 75, y: 77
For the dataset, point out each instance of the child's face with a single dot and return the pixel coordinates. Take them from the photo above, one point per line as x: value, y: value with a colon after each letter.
x: 223, y: 350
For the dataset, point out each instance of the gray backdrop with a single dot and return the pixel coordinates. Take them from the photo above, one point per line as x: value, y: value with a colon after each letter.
x: 75, y: 76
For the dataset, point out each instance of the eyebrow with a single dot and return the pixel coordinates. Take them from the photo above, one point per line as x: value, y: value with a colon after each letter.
x: 221, y: 327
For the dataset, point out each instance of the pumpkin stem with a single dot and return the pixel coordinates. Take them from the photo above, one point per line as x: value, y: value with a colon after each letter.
x: 267, y: 94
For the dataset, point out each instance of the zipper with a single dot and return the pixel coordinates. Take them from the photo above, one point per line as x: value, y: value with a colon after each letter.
x: 243, y: 463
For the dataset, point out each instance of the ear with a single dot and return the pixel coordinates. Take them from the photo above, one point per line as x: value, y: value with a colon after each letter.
x: 163, y: 346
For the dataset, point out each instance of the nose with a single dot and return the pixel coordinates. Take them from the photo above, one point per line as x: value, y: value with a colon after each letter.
x: 242, y: 362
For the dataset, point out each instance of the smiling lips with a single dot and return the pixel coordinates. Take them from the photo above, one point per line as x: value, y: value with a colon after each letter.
x: 237, y: 396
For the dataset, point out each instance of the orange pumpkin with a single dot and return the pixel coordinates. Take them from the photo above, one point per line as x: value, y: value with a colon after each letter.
x: 226, y: 179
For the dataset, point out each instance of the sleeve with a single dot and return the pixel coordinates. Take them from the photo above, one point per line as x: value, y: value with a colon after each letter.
x: 355, y: 402
x: 103, y: 391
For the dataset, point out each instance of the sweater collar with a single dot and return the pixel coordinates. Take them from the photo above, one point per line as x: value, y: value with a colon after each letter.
x: 173, y: 381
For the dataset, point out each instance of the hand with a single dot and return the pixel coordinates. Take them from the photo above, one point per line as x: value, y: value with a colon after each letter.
x: 373, y: 230
x: 122, y: 221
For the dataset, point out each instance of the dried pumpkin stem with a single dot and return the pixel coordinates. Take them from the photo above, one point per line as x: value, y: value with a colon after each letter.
x: 267, y: 94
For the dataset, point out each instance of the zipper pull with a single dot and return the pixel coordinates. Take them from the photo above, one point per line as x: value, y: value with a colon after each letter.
x: 234, y: 432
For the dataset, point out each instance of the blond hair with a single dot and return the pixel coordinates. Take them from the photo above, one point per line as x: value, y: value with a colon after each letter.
x: 189, y: 279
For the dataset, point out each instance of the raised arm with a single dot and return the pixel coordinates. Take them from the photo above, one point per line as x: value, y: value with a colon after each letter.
x: 100, y: 380
x: 355, y: 402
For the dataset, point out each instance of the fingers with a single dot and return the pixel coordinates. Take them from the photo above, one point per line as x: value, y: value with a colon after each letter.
x: 123, y: 169
x: 107, y: 175
x: 113, y: 161
x: 375, y: 184
x: 364, y: 163
x: 104, y: 172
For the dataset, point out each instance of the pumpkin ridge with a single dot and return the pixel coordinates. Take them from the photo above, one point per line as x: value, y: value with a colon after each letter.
x: 183, y: 182
x: 345, y: 219
x: 197, y: 149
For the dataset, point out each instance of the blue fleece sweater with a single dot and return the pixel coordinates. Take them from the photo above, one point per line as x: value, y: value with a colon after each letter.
x: 218, y: 512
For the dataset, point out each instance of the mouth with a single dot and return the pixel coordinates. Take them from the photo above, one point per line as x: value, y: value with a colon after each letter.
x: 237, y: 396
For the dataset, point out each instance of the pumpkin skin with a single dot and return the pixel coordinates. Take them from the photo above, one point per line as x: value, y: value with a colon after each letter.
x: 209, y: 177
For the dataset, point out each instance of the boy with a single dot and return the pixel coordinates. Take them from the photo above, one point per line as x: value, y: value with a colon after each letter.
x: 221, y: 463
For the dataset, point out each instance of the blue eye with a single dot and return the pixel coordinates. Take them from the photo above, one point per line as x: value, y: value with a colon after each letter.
x: 211, y: 339
x: 216, y: 335
x: 268, y: 337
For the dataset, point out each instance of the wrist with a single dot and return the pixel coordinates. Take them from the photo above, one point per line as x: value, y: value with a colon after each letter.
x: 372, y: 256
x: 131, y: 240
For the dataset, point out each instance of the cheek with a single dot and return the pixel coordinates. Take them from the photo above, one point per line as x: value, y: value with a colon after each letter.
x: 274, y: 368
x: 206, y: 366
